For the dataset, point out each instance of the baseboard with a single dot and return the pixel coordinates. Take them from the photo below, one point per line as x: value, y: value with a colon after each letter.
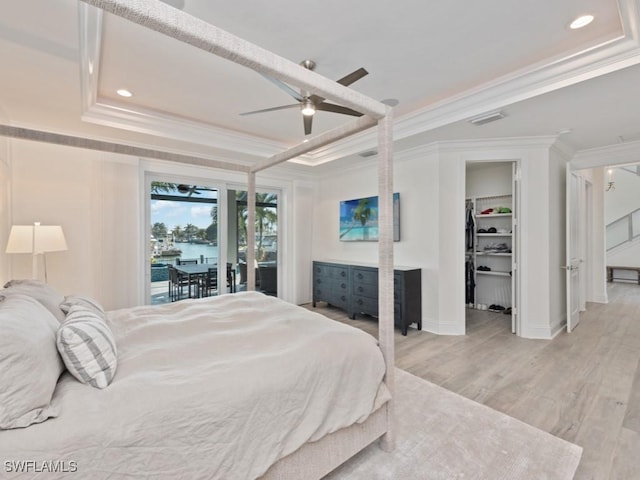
x: 433, y: 326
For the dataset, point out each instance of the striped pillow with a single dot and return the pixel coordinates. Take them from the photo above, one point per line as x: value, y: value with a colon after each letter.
x: 87, y: 347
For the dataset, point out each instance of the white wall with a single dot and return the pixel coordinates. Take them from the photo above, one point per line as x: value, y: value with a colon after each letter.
x: 624, y: 198
x: 431, y: 183
x: 557, y: 239
x: 488, y: 179
x: 596, y: 288
x: 416, y: 180
x: 94, y: 199
x: 99, y: 199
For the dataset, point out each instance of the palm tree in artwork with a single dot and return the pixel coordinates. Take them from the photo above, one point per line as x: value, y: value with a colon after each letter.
x: 362, y: 213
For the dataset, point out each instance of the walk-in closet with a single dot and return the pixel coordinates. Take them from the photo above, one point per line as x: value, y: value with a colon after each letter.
x: 491, y: 242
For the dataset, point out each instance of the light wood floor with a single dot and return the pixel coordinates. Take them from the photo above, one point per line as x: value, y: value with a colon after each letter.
x: 583, y: 387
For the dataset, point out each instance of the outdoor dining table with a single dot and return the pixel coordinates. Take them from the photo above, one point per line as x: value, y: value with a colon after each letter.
x: 199, y: 270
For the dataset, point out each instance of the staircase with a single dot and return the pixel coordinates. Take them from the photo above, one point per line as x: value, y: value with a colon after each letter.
x: 623, y: 243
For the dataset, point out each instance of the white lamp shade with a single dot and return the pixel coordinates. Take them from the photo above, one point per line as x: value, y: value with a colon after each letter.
x: 36, y: 239
x: 49, y: 238
x: 20, y: 239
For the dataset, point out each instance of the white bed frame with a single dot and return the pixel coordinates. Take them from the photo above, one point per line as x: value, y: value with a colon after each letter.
x: 313, y: 460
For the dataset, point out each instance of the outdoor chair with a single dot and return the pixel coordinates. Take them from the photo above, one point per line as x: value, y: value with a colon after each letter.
x: 186, y: 261
x: 268, y: 279
x: 209, y: 282
x: 177, y: 283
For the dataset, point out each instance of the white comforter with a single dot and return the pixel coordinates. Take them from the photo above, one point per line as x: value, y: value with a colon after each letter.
x: 212, y: 388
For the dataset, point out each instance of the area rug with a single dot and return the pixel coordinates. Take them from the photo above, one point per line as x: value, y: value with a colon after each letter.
x: 444, y: 436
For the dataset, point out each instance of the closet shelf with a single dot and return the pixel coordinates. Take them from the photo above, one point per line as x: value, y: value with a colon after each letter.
x: 495, y: 274
x: 494, y: 254
x: 487, y: 215
x: 493, y: 234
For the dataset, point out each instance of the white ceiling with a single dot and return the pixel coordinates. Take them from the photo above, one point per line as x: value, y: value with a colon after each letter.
x: 443, y: 61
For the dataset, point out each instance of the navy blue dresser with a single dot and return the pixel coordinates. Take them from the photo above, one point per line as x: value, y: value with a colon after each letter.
x: 354, y: 288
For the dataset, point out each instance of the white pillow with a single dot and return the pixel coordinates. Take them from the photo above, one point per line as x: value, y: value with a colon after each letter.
x: 84, y: 301
x: 29, y: 362
x: 88, y: 347
x: 45, y: 294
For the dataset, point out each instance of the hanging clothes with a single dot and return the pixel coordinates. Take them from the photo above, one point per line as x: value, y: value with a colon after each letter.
x: 470, y: 283
x: 470, y: 227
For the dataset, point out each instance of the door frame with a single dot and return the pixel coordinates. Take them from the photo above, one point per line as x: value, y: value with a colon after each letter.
x: 150, y: 177
x: 516, y: 281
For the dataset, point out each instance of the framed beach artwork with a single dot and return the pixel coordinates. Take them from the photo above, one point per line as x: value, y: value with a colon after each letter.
x: 359, y: 219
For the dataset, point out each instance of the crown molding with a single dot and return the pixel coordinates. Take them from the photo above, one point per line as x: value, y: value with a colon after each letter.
x: 112, y: 114
x: 607, y: 56
x: 618, y: 154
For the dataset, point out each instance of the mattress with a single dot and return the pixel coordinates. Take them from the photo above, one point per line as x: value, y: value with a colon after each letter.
x: 220, y: 387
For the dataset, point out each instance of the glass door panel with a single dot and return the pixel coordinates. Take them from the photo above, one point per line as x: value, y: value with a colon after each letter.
x: 266, y: 243
x: 184, y: 236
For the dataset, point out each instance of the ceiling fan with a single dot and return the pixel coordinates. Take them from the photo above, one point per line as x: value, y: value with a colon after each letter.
x: 309, y: 103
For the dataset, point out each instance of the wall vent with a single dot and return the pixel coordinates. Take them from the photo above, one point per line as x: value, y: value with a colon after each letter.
x: 487, y: 118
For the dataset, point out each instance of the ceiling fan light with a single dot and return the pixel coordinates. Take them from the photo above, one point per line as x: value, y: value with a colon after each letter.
x: 308, y: 108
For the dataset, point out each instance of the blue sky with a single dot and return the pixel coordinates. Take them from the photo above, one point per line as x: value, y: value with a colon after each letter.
x: 180, y: 213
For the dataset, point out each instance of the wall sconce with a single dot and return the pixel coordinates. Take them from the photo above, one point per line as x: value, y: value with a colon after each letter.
x: 38, y: 240
x: 611, y: 185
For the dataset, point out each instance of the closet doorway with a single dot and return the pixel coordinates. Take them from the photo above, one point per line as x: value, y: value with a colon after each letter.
x: 491, y: 245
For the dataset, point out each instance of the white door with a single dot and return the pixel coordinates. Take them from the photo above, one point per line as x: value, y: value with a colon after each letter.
x: 573, y: 249
x: 515, y: 249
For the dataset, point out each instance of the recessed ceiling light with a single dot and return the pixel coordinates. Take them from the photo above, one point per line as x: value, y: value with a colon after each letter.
x: 581, y: 21
x: 123, y: 92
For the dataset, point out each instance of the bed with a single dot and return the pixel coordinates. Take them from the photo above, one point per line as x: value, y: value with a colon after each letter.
x: 222, y: 387
x: 327, y: 447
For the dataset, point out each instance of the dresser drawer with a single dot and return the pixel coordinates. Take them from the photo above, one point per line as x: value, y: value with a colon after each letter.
x: 365, y: 289
x: 366, y: 305
x: 331, y: 271
x: 365, y: 277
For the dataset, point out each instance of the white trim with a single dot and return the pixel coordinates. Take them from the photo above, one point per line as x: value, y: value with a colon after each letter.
x: 618, y: 155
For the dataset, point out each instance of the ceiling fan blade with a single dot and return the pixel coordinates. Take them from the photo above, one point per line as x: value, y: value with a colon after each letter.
x: 330, y: 107
x: 272, y: 109
x: 285, y: 87
x: 308, y: 120
x: 346, y: 81
x: 353, y: 76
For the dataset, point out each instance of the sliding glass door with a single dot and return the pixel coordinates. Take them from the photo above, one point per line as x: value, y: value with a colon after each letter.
x: 266, y: 235
x: 184, y: 232
x: 194, y: 227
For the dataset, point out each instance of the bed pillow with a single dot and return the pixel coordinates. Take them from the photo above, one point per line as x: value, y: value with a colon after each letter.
x: 29, y: 362
x: 45, y: 294
x: 83, y: 301
x: 88, y: 347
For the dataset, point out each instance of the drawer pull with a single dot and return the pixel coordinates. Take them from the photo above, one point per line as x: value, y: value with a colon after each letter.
x: 360, y: 289
x: 343, y: 298
x: 343, y: 285
x: 343, y: 273
x: 360, y: 277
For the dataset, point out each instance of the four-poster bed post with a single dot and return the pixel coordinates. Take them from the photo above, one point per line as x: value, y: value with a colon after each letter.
x: 160, y: 17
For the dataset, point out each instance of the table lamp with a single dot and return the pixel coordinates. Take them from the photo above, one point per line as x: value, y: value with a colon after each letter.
x: 38, y: 240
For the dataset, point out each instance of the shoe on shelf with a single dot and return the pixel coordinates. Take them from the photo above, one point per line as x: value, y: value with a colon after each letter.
x: 507, y: 311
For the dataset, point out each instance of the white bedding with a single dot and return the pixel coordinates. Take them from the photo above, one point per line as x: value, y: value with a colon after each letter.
x: 212, y: 388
